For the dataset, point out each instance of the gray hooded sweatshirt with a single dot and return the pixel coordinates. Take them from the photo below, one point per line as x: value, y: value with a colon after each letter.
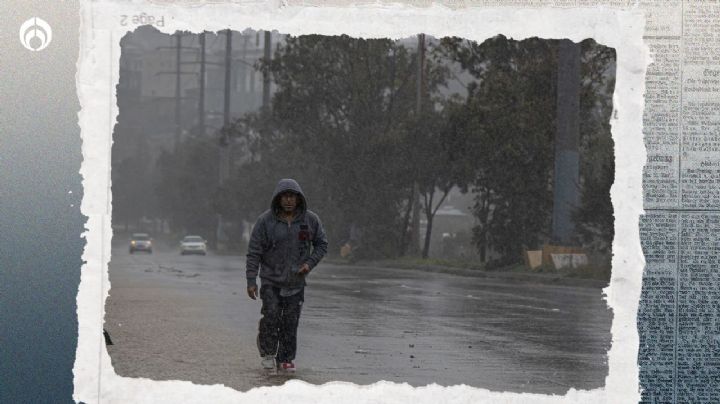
x: 278, y: 249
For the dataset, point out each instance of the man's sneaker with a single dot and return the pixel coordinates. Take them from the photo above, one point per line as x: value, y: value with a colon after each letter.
x: 268, y: 362
x: 287, y: 366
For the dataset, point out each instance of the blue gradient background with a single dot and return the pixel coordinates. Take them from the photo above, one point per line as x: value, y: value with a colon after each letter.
x: 40, y: 194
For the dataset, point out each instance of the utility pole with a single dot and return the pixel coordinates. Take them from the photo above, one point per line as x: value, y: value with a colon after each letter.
x: 223, y: 166
x: 420, y: 72
x: 244, y: 82
x: 567, y: 156
x: 266, y: 72
x: 201, y: 103
x: 177, y: 91
x: 178, y: 48
x: 228, y: 67
x: 201, y: 127
x: 224, y: 141
x: 415, y: 235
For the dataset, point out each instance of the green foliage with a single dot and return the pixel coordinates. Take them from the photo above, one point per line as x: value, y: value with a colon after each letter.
x: 509, y: 123
x: 595, y: 216
x: 509, y: 118
x: 344, y: 122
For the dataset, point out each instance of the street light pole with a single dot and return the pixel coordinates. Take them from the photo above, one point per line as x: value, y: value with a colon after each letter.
x: 415, y: 235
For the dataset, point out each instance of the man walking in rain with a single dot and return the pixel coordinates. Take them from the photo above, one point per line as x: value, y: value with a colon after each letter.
x: 287, y: 242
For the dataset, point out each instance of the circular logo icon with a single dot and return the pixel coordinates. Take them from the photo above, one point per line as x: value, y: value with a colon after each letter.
x: 35, y: 34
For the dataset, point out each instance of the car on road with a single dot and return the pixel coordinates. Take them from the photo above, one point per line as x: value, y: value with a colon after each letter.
x: 140, y: 242
x: 193, y: 245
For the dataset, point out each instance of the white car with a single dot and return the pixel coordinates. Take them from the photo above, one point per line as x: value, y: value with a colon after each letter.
x: 193, y: 245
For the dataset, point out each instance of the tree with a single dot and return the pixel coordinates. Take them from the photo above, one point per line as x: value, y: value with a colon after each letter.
x: 442, y: 162
x: 343, y: 122
x: 510, y: 110
x: 595, y: 216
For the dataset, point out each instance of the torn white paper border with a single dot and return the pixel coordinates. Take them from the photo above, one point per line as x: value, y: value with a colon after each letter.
x: 98, y: 72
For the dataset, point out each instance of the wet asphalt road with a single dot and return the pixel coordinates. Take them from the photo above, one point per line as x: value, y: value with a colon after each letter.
x: 188, y: 317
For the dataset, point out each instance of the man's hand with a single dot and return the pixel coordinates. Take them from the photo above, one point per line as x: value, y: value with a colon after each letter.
x: 304, y: 268
x: 252, y: 292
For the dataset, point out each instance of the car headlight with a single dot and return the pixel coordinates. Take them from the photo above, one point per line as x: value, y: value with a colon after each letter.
x: 132, y: 242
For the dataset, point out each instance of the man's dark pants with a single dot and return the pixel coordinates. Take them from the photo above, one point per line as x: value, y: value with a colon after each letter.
x: 279, y: 323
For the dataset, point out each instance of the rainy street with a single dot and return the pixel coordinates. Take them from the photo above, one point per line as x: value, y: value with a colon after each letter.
x: 434, y: 149
x: 189, y: 318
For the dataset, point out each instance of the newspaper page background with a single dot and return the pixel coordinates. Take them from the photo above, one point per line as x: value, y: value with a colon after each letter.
x: 677, y: 319
x: 679, y: 337
x: 679, y: 355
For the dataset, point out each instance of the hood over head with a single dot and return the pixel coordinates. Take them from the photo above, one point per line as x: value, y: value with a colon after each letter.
x: 288, y: 184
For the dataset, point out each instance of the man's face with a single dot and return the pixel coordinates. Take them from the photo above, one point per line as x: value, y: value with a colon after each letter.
x: 288, y: 201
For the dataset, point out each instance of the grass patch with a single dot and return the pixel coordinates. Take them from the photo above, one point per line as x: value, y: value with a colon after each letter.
x: 435, y: 262
x: 597, y: 272
x: 593, y: 272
